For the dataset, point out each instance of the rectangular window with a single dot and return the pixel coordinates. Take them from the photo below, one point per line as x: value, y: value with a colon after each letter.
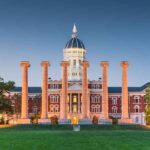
x: 74, y: 99
x: 114, y: 100
x: 74, y: 108
x: 74, y: 62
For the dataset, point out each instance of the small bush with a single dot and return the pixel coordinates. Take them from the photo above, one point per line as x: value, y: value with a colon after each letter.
x: 114, y: 120
x: 34, y: 119
x: 2, y: 121
x: 147, y: 120
x: 54, y: 120
x: 95, y: 120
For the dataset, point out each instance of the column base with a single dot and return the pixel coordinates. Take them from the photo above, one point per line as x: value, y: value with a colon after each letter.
x: 44, y: 121
x: 105, y: 121
x: 125, y: 121
x: 24, y: 121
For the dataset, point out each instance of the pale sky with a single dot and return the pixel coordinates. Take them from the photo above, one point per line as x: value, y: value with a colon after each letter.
x: 36, y: 30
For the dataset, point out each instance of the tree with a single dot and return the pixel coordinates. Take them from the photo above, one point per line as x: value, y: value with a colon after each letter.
x: 95, y: 120
x: 147, y: 110
x: 16, y: 98
x: 54, y: 120
x: 5, y: 103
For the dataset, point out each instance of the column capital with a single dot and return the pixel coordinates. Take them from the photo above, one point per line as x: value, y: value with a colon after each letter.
x: 124, y: 63
x: 25, y: 64
x: 85, y: 63
x: 64, y: 63
x: 104, y: 63
x: 45, y: 63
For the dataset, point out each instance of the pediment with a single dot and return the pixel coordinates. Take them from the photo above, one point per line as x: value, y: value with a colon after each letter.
x: 75, y: 87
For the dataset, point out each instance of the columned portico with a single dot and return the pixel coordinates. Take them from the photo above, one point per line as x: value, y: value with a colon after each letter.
x: 105, y: 115
x: 63, y: 105
x: 85, y: 101
x: 44, y: 111
x: 74, y: 104
x: 24, y: 106
x: 125, y: 102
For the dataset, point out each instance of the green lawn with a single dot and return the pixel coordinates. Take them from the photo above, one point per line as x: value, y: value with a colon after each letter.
x: 96, y: 138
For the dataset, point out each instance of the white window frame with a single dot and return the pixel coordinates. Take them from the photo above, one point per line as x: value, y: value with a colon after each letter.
x: 114, y: 109
x: 114, y: 100
x: 136, y: 107
x: 136, y: 99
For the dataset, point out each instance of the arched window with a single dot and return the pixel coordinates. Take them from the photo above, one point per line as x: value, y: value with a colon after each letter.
x: 51, y: 99
x: 55, y: 99
x: 136, y: 99
x: 97, y: 98
x: 114, y: 100
x: 114, y: 110
x: 136, y: 109
x: 56, y: 108
x: 51, y: 108
x: 98, y: 108
x: 95, y: 108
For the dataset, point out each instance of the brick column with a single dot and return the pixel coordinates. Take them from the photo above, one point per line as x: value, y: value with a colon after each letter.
x: 44, y: 113
x: 24, y: 104
x: 104, y: 65
x: 125, y: 104
x: 63, y: 105
x: 44, y: 108
x: 85, y: 100
x: 125, y: 113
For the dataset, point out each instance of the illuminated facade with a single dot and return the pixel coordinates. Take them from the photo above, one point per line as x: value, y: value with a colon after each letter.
x: 76, y: 95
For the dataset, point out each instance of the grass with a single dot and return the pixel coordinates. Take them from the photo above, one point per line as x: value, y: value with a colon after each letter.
x: 103, y: 137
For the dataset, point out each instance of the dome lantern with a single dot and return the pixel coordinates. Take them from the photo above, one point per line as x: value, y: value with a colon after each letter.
x: 74, y: 42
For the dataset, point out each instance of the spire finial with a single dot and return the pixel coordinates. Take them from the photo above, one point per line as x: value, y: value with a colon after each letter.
x: 74, y: 31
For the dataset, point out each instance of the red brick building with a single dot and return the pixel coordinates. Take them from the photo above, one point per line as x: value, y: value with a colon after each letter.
x: 75, y: 95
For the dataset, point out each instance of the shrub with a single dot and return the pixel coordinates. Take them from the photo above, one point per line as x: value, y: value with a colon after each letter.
x: 114, y: 120
x: 147, y: 120
x: 34, y: 119
x: 2, y: 121
x: 95, y: 120
x: 54, y: 120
